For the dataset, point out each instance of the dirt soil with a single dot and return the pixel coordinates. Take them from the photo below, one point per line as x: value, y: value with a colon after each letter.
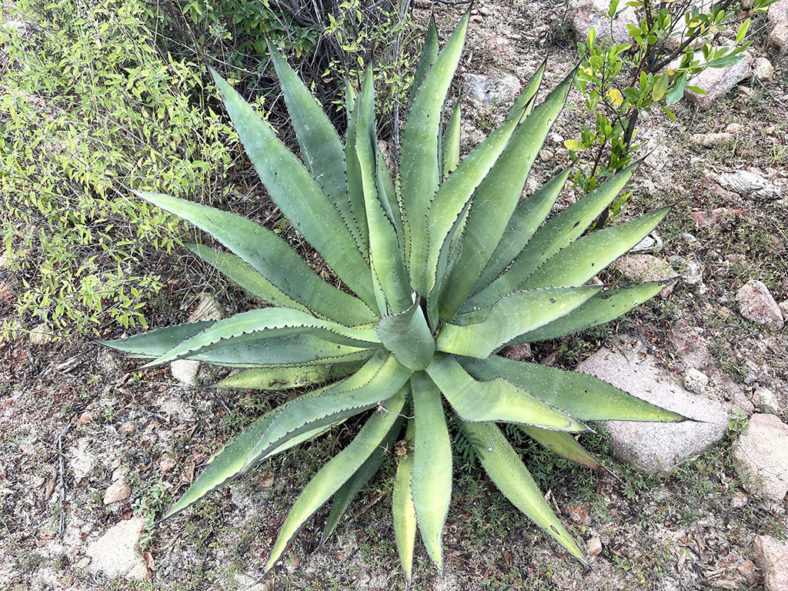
x: 72, y: 414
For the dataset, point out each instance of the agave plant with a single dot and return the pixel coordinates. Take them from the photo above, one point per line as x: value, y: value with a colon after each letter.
x: 442, y: 268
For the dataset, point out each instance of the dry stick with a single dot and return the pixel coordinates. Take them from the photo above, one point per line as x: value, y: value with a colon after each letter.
x: 61, y: 480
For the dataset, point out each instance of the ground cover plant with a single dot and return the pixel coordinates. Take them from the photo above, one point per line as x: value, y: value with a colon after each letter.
x: 89, y: 106
x: 444, y: 266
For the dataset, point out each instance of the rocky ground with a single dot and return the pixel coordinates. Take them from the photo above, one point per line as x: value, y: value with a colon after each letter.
x: 91, y: 452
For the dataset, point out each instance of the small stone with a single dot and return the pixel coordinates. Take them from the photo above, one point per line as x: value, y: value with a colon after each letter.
x: 85, y: 417
x: 689, y: 239
x: 545, y: 155
x: 710, y: 140
x: 127, y: 428
x: 117, y: 553
x: 749, y: 184
x: 651, y: 243
x: 696, y: 381
x: 739, y: 500
x: 761, y: 457
x: 594, y: 546
x: 41, y: 334
x: 116, y: 492
x: 747, y: 570
x: 185, y: 371
x: 766, y: 401
x: 693, y: 273
x: 521, y: 352
x: 83, y: 563
x: 763, y: 68
x: 495, y: 88
x: 758, y: 305
x: 771, y: 555
x: 556, y: 138
x: 734, y: 128
x: 166, y: 465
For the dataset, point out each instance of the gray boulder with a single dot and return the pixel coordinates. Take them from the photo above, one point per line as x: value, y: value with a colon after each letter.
x: 656, y: 447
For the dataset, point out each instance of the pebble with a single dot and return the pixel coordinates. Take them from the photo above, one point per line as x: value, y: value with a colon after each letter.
x: 761, y: 457
x: 758, y: 305
x: 41, y: 334
x: 766, y: 401
x: 747, y: 570
x: 749, y: 183
x: 696, y: 381
x: 116, y: 492
x: 594, y: 546
x: 763, y: 68
x: 166, y: 465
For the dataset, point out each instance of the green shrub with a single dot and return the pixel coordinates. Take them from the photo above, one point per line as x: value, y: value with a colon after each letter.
x: 88, y: 106
x: 619, y: 81
x: 445, y: 268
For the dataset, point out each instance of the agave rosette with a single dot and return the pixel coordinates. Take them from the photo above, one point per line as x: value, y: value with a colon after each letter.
x: 443, y: 267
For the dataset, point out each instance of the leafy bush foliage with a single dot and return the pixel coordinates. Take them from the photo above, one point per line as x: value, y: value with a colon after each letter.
x: 621, y: 80
x: 88, y: 107
x: 444, y: 267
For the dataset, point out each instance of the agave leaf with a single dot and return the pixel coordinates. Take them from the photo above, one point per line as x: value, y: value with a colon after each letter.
x: 391, y: 279
x: 581, y: 260
x: 157, y: 342
x: 451, y: 141
x: 428, y: 55
x: 581, y: 395
x: 234, y: 268
x: 355, y: 187
x: 600, y: 309
x: 453, y: 197
x: 336, y: 472
x: 283, y: 378
x: 495, y: 400
x: 321, y: 147
x: 497, y: 197
x: 270, y: 256
x: 379, y: 379
x: 266, y: 322
x: 298, y: 195
x: 419, y: 166
x: 563, y: 444
x: 230, y: 461
x: 559, y: 232
x: 407, y: 336
x: 431, y: 485
x: 506, y: 470
x: 345, y: 495
x: 298, y: 350
x: 284, y: 351
x: 525, y: 103
x: 489, y: 329
x: 402, y: 509
x: 525, y: 220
